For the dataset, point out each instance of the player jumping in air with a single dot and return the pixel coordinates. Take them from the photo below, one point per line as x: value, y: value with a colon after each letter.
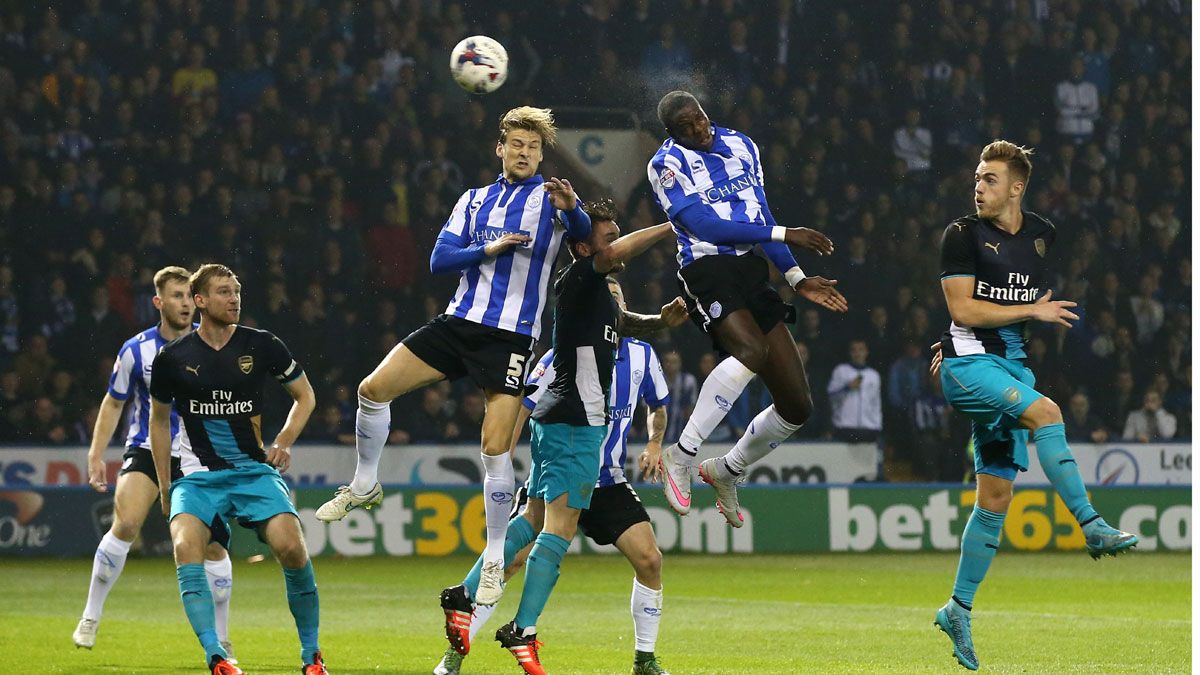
x: 615, y: 514
x: 503, y: 239
x: 214, y: 378
x: 137, y: 485
x: 709, y: 180
x: 994, y: 277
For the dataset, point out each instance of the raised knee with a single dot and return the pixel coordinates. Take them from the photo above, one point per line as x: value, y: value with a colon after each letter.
x: 1044, y: 411
x: 368, y: 390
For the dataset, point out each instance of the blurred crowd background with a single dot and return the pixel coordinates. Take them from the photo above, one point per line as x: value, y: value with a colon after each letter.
x: 316, y: 147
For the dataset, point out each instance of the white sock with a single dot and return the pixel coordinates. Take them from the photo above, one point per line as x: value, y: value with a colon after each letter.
x: 371, y: 426
x: 721, y: 388
x: 766, y: 432
x: 479, y: 617
x: 220, y: 582
x: 498, y: 484
x: 646, y: 606
x: 106, y: 569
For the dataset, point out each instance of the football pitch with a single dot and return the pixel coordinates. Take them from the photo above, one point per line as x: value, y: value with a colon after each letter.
x: 830, y: 613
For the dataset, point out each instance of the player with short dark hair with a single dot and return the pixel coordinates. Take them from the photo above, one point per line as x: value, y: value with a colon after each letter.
x: 614, y: 516
x: 503, y: 239
x: 213, y: 378
x: 137, y: 484
x: 571, y: 419
x: 995, y: 279
x: 709, y: 181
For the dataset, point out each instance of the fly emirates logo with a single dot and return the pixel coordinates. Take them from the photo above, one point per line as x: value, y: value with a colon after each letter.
x: 1016, y: 291
x: 222, y: 405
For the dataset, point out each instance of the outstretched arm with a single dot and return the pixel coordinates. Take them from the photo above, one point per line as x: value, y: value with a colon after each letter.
x: 629, y: 246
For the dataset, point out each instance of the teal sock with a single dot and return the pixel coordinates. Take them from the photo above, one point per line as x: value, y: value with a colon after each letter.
x: 980, y: 541
x: 198, y: 605
x: 305, y: 606
x: 1063, y: 472
x: 518, y: 536
x: 541, y: 573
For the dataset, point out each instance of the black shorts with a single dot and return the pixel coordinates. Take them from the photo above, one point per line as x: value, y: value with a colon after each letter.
x: 715, y: 286
x: 614, y: 509
x: 140, y: 460
x: 495, y: 359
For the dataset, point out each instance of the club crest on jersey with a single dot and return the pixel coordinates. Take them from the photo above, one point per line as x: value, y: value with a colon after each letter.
x: 1012, y: 395
x: 1039, y: 245
x: 535, y: 200
x: 637, y: 377
x: 714, y: 310
x: 667, y: 179
x: 246, y: 363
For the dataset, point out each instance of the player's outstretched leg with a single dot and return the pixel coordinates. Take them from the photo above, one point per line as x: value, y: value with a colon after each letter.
x: 721, y: 388
x: 1045, y: 418
x: 371, y: 426
x: 523, y: 645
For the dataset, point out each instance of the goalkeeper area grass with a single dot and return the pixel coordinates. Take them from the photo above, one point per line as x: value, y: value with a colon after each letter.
x: 831, y: 613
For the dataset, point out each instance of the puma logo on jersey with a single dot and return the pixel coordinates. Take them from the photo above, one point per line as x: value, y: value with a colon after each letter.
x: 195, y: 370
x: 994, y: 247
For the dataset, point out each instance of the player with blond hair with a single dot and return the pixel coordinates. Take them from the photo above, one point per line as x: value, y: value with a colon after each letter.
x: 502, y: 239
x: 995, y: 279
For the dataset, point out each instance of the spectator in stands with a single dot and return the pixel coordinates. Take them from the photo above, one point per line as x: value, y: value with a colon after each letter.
x: 1150, y: 422
x: 855, y: 394
x: 913, y: 143
x: 1081, y: 424
x: 1078, y: 104
x: 683, y: 390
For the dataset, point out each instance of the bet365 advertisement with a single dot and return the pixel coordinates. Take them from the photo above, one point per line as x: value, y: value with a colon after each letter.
x: 427, y: 521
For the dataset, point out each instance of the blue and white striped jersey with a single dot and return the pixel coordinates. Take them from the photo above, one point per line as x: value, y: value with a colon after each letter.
x: 637, y: 376
x: 131, y: 376
x: 508, y: 291
x: 728, y: 181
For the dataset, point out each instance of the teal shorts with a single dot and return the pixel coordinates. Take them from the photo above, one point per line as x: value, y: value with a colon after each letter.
x: 250, y: 495
x: 994, y: 392
x: 564, y: 459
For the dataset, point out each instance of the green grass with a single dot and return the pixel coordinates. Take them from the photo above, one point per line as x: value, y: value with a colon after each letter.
x: 1037, y: 613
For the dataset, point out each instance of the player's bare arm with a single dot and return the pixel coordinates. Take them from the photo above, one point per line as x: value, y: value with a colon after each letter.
x: 304, y: 401
x: 648, y: 461
x: 160, y: 450
x: 106, y: 423
x: 632, y: 324
x: 616, y: 253
x: 969, y: 312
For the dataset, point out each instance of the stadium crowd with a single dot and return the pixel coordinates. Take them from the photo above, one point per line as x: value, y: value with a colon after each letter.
x: 316, y: 147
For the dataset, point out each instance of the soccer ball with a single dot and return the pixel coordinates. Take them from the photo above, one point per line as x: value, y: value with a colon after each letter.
x: 479, y: 64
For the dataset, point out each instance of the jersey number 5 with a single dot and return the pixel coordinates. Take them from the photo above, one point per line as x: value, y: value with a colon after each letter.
x: 516, y: 371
